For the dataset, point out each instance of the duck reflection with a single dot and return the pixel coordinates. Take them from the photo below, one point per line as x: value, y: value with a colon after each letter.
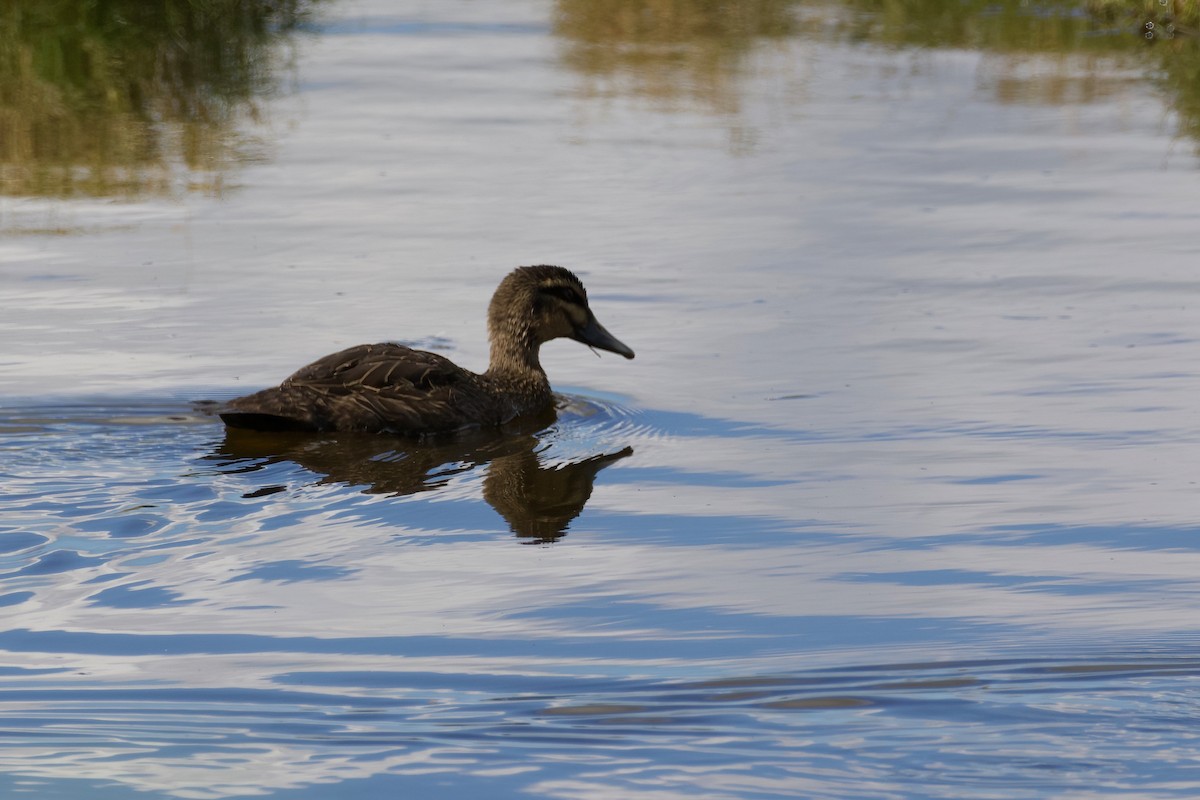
x: 538, y: 500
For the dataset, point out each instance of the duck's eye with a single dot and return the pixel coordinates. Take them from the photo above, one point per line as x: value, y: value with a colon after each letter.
x: 564, y: 293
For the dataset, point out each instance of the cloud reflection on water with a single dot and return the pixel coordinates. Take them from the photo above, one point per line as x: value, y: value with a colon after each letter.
x: 324, y: 634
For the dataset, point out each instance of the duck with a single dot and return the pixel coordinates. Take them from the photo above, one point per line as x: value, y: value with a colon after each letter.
x: 391, y: 388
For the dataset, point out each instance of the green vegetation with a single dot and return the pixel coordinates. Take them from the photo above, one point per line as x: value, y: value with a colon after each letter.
x: 114, y: 97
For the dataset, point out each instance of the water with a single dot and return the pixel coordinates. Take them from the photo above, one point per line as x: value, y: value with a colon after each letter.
x: 898, y: 499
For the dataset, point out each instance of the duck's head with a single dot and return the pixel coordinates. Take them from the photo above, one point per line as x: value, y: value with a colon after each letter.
x: 536, y: 304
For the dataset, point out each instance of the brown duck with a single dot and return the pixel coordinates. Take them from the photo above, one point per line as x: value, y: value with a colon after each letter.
x: 392, y: 388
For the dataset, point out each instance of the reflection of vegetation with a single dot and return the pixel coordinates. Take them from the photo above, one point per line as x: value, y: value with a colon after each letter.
x: 1025, y: 25
x: 1051, y: 51
x: 1157, y: 19
x: 1180, y: 80
x: 111, y: 96
x: 676, y: 52
x: 669, y: 50
x: 1040, y: 26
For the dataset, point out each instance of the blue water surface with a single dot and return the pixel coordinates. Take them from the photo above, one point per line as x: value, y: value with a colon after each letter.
x: 897, y: 501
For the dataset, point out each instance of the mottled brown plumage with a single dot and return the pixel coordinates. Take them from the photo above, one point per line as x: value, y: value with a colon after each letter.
x: 393, y: 388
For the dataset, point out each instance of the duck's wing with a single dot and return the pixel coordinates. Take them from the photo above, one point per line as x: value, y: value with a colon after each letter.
x: 380, y: 367
x: 371, y: 387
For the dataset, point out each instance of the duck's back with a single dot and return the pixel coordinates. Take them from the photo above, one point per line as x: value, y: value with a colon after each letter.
x: 373, y: 387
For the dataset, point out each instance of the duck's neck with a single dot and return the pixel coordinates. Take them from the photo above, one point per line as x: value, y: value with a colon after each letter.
x: 514, y: 360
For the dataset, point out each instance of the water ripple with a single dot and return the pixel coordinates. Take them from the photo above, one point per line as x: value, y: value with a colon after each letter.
x: 1014, y: 726
x: 226, y: 615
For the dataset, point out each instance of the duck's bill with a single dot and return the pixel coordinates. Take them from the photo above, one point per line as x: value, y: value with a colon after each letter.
x: 595, y: 335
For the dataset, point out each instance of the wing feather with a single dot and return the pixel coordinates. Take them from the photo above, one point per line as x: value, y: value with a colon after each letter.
x: 393, y: 387
x: 382, y: 367
x: 381, y: 387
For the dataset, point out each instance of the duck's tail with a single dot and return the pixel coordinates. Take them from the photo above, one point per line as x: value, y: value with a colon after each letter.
x: 254, y: 421
x: 276, y: 409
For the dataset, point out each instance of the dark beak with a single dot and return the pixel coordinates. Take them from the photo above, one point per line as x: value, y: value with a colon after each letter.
x: 594, y: 334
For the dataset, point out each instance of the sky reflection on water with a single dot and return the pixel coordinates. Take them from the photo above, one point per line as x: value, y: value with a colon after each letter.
x: 898, y: 499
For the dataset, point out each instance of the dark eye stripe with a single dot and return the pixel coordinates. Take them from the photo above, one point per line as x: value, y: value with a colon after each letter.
x: 564, y: 293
